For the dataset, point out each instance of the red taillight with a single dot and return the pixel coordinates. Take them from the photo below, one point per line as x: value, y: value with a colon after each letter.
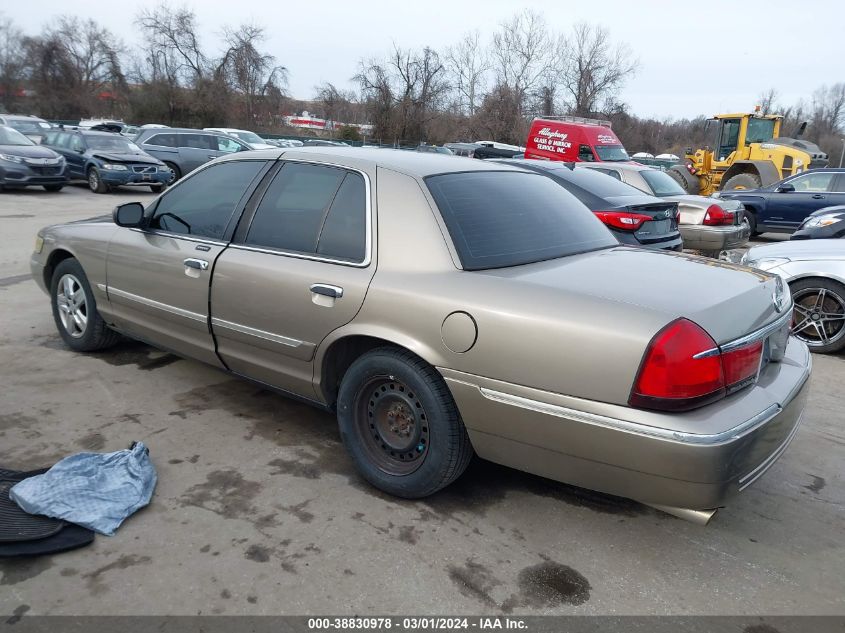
x: 683, y: 368
x: 623, y: 220
x: 741, y: 364
x: 717, y: 216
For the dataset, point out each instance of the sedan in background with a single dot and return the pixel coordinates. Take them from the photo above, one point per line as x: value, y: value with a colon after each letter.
x: 444, y: 307
x: 815, y: 272
x: 633, y: 217
x: 707, y: 225
x: 824, y: 224
x: 783, y: 206
x: 250, y: 138
x: 32, y: 127
x: 24, y: 163
x: 185, y: 149
x: 106, y: 160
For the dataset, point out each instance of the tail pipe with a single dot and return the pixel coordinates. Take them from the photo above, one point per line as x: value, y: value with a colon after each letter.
x: 699, y: 517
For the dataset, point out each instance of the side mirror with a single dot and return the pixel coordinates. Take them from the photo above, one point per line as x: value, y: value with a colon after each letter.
x: 785, y: 188
x: 130, y: 215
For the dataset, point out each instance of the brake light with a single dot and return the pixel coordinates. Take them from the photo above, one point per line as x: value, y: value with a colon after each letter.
x: 623, y: 220
x: 717, y: 216
x: 683, y: 368
x: 741, y: 364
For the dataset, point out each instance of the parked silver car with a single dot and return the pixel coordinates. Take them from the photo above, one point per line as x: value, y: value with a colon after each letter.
x: 183, y: 150
x: 706, y: 224
x: 443, y: 307
x: 815, y: 272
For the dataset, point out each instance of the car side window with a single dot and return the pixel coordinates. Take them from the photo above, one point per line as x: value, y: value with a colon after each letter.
x: 162, y: 140
x: 813, y: 182
x: 49, y: 138
x: 203, y: 204
x: 585, y: 153
x: 197, y: 141
x: 344, y: 234
x: 610, y: 172
x: 839, y: 184
x: 293, y: 210
x: 76, y: 143
x: 227, y: 144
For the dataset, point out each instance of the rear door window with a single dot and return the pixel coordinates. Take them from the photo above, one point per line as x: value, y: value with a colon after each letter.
x: 202, y: 205
x: 292, y: 212
x: 344, y: 233
x: 499, y: 219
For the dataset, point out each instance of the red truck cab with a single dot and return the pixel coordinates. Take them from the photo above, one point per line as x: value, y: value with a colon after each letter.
x: 573, y: 139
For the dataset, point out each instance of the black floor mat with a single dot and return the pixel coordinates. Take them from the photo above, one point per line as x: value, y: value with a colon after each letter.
x: 23, y: 534
x: 17, y: 525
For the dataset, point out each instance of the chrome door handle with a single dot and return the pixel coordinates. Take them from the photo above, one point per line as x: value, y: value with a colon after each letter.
x: 818, y: 196
x: 199, y: 264
x: 335, y: 292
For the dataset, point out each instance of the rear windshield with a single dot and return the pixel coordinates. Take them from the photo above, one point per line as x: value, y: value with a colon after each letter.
x: 661, y: 183
x: 499, y: 219
x: 611, y: 153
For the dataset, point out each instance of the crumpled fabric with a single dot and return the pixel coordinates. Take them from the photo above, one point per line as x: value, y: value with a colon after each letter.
x: 95, y: 490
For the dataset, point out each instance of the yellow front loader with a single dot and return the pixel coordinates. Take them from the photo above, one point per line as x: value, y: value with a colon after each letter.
x: 748, y: 153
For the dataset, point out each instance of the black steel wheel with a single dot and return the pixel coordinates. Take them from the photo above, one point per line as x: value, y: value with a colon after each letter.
x: 400, y: 424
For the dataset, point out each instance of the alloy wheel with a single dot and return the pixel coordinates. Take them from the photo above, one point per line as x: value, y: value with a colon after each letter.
x: 818, y: 316
x: 393, y: 425
x: 93, y: 180
x: 72, y: 305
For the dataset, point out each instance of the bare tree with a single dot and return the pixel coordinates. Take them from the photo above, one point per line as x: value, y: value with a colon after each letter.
x: 12, y: 62
x: 174, y: 33
x: 468, y: 63
x: 252, y: 73
x: 594, y: 70
x: 72, y: 65
x: 524, y: 53
x: 768, y: 101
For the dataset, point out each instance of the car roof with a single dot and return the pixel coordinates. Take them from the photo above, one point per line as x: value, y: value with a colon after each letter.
x: 26, y: 117
x: 417, y: 164
x: 89, y: 132
x: 620, y: 166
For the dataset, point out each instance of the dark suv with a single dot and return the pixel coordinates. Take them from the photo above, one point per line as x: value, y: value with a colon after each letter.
x: 183, y: 150
x: 106, y: 160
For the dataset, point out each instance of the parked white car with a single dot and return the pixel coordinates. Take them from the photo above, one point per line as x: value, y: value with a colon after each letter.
x: 250, y: 138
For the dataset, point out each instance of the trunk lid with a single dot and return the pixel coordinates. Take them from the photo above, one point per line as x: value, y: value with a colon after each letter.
x: 663, y: 214
x: 727, y: 300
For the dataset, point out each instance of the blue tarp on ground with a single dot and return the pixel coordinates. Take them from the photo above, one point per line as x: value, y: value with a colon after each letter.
x: 94, y: 490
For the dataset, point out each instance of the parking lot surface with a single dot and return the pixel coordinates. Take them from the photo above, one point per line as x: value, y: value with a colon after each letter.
x: 259, y: 511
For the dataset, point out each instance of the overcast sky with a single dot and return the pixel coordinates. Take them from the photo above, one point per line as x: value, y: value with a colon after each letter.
x: 695, y: 57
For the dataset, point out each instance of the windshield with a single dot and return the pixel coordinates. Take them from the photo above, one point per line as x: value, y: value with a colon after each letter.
x: 10, y: 136
x: 661, y: 183
x: 760, y: 130
x: 112, y: 143
x: 611, y: 153
x: 499, y: 219
x: 249, y: 137
x: 29, y: 127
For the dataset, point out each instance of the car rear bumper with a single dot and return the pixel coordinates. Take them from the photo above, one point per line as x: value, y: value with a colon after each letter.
x: 637, y: 454
x: 714, y: 238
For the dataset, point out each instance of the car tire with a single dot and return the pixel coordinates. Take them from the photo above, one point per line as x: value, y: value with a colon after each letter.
x: 95, y: 182
x: 400, y: 424
x: 750, y: 218
x: 53, y: 187
x: 157, y: 188
x: 688, y: 182
x: 175, y: 172
x: 75, y: 310
x: 742, y: 181
x: 813, y: 298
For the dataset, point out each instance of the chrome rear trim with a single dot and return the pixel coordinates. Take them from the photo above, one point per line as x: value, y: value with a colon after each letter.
x: 632, y: 427
x: 754, y: 336
x: 251, y: 331
x: 164, y: 307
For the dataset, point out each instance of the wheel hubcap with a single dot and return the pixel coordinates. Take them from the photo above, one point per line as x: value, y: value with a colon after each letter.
x: 93, y: 180
x: 172, y: 176
x: 393, y: 425
x: 818, y: 316
x: 72, y: 305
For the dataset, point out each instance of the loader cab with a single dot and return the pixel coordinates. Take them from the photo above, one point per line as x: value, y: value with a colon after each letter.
x: 735, y: 132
